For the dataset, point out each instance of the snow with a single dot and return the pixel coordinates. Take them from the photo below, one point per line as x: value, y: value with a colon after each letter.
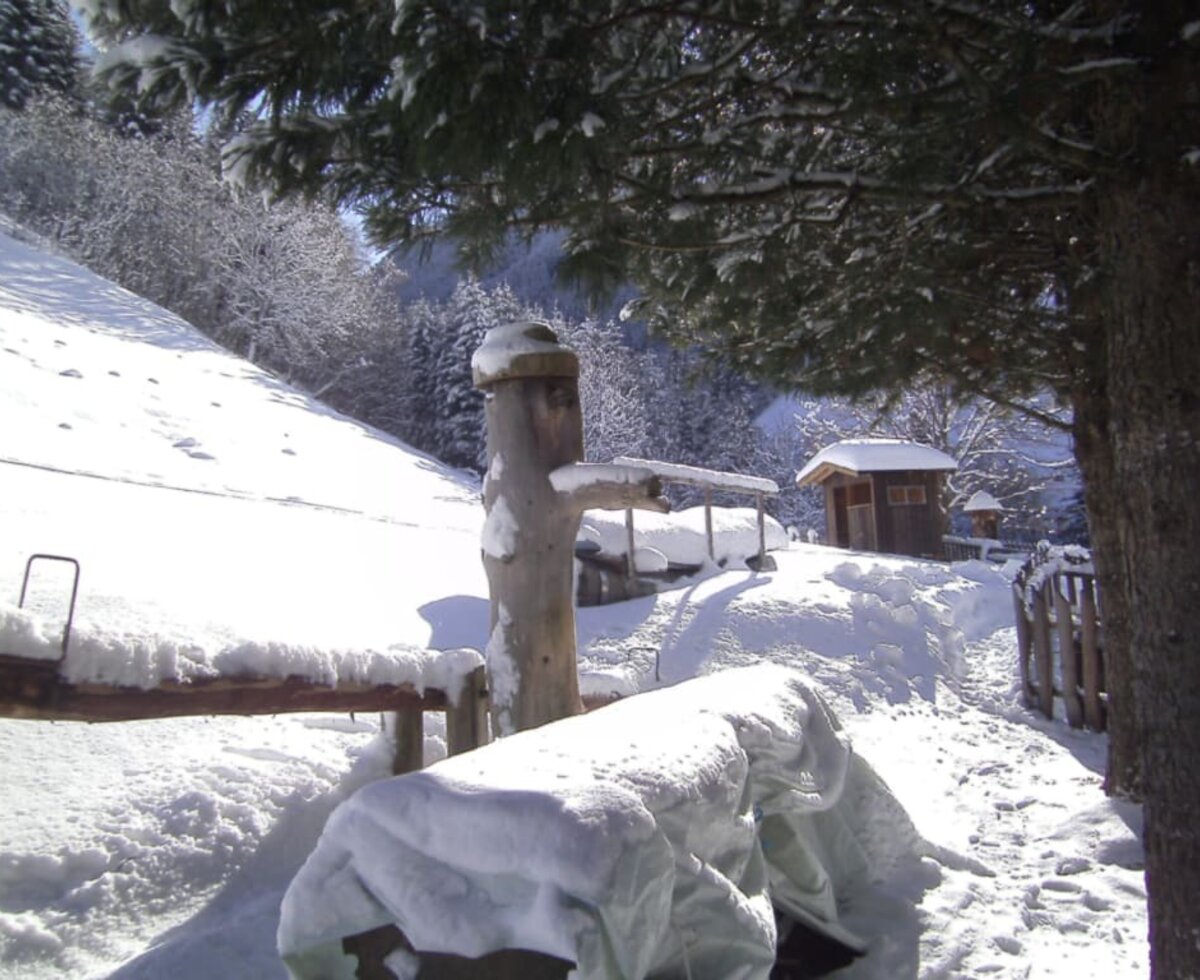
x: 628, y: 841
x: 505, y: 347
x: 574, y: 477
x: 981, y: 500
x: 696, y: 474
x: 681, y: 537
x: 164, y: 848
x: 856, y: 456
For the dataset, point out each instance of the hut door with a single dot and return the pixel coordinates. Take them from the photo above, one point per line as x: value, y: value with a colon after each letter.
x: 860, y: 515
x: 840, y: 528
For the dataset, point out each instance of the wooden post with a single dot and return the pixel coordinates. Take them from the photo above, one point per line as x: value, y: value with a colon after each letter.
x: 1042, y: 654
x: 630, y: 567
x: 466, y: 721
x: 762, y: 532
x: 410, y: 740
x: 708, y: 531
x: 535, y: 493
x: 1068, y: 656
x: 1093, y: 708
x: 1024, y: 648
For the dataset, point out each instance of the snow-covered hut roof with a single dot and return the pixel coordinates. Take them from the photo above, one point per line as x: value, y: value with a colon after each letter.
x: 855, y: 456
x: 981, y: 500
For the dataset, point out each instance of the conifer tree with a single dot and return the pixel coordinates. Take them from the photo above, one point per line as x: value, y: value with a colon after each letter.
x: 39, y: 48
x: 841, y: 196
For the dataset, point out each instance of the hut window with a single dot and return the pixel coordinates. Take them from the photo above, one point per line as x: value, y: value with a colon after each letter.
x: 901, y: 496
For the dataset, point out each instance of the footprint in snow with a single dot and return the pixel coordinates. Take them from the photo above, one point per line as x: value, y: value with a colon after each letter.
x: 288, y: 452
x: 186, y: 443
x: 70, y: 373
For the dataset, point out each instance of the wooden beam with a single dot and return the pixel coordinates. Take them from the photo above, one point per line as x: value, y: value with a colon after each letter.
x: 32, y: 689
x: 708, y: 528
x: 1093, y: 707
x: 467, y: 721
x: 630, y: 566
x: 1043, y: 654
x: 1068, y: 657
x: 410, y: 741
x: 1024, y: 649
x: 697, y: 477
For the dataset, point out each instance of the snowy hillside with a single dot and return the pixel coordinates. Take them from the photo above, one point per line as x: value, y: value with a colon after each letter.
x: 211, y: 505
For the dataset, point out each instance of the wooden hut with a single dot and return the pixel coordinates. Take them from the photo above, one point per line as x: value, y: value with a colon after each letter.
x: 984, y: 511
x: 881, y: 494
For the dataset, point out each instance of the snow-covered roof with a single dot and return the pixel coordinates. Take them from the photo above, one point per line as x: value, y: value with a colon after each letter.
x: 981, y: 500
x: 854, y: 456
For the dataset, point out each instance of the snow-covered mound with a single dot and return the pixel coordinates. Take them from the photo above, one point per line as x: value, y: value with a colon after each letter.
x: 650, y: 838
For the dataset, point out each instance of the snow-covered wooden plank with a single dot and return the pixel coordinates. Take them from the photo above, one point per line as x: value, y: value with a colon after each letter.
x: 33, y: 690
x: 700, y: 477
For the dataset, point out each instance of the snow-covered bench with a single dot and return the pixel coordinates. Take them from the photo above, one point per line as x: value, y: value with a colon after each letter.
x: 656, y: 836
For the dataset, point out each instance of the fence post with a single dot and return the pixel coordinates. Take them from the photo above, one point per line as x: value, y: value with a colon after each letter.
x: 1042, y: 654
x: 466, y: 722
x: 630, y: 567
x: 1024, y: 648
x: 1067, y: 655
x: 708, y: 530
x: 762, y: 532
x: 410, y: 741
x: 1093, y: 708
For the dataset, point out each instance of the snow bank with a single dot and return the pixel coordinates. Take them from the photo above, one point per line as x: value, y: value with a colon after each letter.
x: 145, y: 660
x: 681, y: 537
x: 652, y: 835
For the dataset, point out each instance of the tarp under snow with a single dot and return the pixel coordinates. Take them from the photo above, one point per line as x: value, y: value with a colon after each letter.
x: 649, y: 838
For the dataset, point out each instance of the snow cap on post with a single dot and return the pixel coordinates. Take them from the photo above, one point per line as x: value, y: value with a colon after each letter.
x: 525, y: 349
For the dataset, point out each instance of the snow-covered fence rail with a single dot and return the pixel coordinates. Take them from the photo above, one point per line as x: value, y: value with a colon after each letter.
x: 95, y: 676
x: 1059, y: 637
x: 710, y: 481
x: 34, y: 689
x: 985, y: 549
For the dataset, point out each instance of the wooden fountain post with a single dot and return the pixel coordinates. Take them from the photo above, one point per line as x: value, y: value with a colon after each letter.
x: 534, y: 494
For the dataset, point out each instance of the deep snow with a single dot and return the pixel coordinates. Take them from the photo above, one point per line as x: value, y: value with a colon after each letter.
x: 210, y: 504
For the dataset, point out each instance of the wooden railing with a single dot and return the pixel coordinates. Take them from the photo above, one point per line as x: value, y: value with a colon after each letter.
x: 709, y: 480
x: 35, y: 690
x: 957, y: 548
x: 1060, y: 641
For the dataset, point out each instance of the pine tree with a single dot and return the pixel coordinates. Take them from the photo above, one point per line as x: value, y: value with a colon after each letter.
x: 38, y: 51
x: 456, y: 333
x: 840, y: 196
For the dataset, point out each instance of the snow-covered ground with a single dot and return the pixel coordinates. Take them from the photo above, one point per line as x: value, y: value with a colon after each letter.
x: 212, y: 506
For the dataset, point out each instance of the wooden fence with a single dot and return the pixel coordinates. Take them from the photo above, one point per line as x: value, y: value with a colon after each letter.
x: 34, y: 689
x: 1060, y: 645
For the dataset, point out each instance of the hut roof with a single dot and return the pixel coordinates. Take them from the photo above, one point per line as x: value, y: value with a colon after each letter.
x: 855, y: 456
x: 981, y: 500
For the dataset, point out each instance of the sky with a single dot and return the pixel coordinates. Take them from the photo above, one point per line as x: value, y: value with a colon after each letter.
x: 223, y: 519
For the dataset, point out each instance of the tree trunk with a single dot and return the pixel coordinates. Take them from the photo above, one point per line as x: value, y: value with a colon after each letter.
x: 1150, y: 224
x: 534, y: 427
x: 1093, y: 452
